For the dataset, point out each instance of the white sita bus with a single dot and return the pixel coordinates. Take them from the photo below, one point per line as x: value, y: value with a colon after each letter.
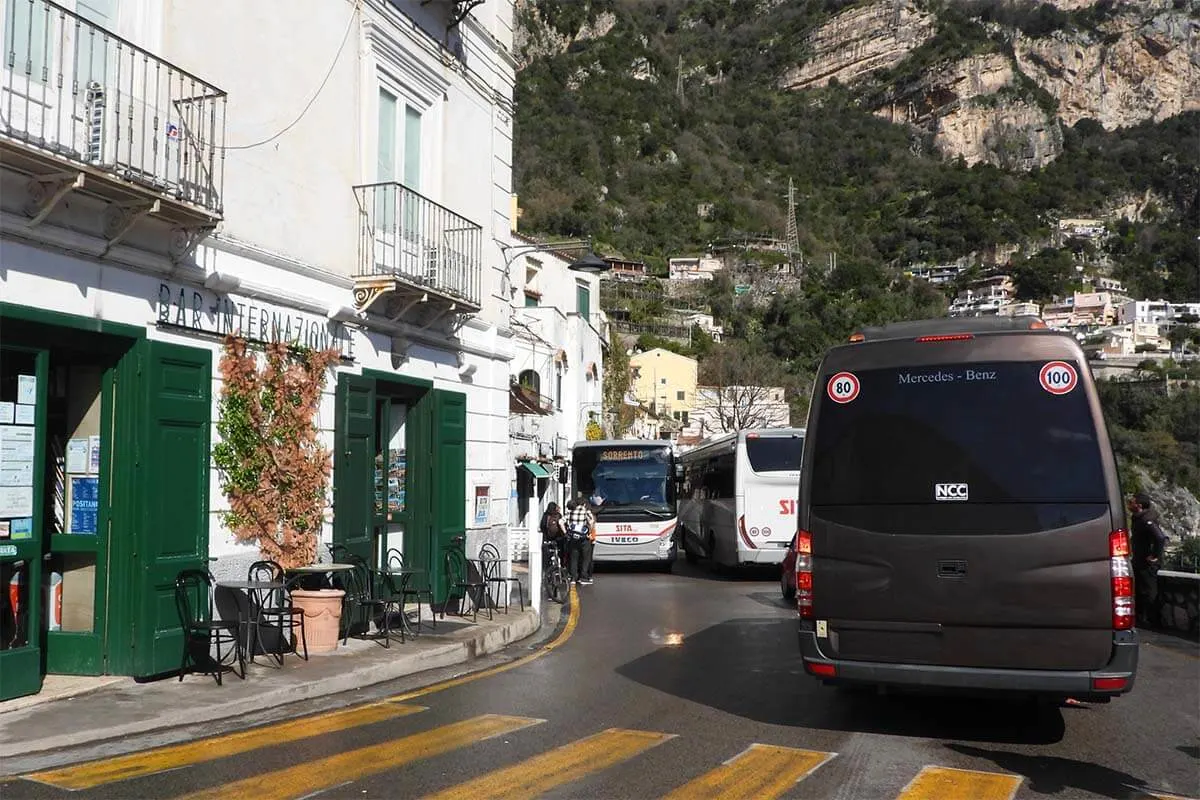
x: 635, y: 479
x: 737, y: 498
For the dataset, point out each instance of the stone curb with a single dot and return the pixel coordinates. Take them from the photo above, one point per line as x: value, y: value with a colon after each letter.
x: 486, y: 641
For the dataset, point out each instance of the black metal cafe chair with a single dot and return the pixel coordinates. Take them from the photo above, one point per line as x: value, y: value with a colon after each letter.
x: 493, y: 576
x: 201, y: 633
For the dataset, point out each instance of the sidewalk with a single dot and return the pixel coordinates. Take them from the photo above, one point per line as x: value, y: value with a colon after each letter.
x: 75, y: 711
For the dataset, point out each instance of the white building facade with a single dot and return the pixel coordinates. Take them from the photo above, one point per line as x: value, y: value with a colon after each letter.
x: 329, y: 174
x: 557, y: 378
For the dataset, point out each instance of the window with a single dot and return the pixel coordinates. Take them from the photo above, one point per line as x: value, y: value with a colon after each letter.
x: 558, y: 380
x: 679, y: 395
x: 775, y: 453
x: 988, y: 425
x: 530, y: 380
x: 583, y: 296
x: 398, y: 159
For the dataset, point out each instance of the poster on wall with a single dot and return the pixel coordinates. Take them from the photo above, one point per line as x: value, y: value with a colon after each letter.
x: 27, y: 389
x: 16, y: 501
x: 93, y: 455
x: 84, y: 502
x: 482, y: 504
x: 397, y: 473
x: 77, y: 456
x: 7, y: 413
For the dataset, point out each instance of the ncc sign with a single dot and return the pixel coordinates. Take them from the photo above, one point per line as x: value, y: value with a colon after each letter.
x: 950, y: 491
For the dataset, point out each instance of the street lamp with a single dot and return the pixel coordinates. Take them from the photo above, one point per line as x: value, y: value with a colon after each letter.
x: 589, y: 262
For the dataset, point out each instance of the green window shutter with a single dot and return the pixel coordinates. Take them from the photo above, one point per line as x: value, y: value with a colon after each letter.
x: 172, y: 493
x: 584, y: 300
x: 449, y: 475
x: 354, y: 465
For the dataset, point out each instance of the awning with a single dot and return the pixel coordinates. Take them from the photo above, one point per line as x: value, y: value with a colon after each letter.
x: 535, y: 469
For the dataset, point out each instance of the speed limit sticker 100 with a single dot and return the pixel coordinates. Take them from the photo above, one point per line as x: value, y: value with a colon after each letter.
x: 1058, y: 377
x: 843, y: 387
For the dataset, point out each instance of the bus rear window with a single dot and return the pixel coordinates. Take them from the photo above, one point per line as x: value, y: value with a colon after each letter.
x: 775, y: 453
x: 974, y: 433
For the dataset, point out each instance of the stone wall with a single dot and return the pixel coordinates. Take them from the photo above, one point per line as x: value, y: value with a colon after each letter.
x: 1180, y: 593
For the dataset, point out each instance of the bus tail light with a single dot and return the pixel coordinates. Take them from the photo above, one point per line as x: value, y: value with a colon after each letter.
x: 804, y: 576
x: 745, y: 536
x: 1121, y: 570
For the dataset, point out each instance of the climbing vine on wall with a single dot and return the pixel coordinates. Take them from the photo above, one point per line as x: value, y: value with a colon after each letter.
x: 274, y: 470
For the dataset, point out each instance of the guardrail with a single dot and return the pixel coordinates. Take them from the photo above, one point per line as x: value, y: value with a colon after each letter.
x: 77, y: 90
x: 408, y: 236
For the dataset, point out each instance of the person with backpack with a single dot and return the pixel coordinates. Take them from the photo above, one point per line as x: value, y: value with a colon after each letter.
x: 1147, y: 540
x: 553, y: 531
x: 581, y: 532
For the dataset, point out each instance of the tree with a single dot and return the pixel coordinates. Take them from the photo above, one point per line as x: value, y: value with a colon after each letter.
x: 739, y: 388
x: 1044, y: 275
x: 616, y: 385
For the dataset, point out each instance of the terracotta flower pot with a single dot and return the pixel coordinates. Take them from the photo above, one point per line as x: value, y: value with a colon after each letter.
x: 322, y: 615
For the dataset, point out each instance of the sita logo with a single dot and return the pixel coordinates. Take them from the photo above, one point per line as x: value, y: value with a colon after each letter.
x: 950, y: 491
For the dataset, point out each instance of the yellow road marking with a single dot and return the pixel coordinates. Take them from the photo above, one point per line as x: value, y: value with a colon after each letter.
x: 761, y: 771
x: 544, y: 772
x: 146, y: 762
x: 563, y: 636
x: 336, y: 770
x: 98, y: 773
x: 1148, y: 795
x: 946, y: 783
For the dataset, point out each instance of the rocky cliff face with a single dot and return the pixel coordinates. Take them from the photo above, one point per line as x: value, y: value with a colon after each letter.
x: 534, y: 39
x: 971, y: 110
x: 1141, y: 62
x: 861, y: 41
x: 1133, y: 70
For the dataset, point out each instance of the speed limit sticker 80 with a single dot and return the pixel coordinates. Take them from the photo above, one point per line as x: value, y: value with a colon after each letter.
x: 1058, y: 377
x: 843, y: 387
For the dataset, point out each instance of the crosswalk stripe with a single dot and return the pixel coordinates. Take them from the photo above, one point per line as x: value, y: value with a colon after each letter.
x: 120, y: 768
x: 540, y: 774
x: 324, y: 773
x: 940, y: 783
x: 760, y: 771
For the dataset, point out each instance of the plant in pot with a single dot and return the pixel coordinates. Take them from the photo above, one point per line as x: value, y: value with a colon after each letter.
x: 273, y: 469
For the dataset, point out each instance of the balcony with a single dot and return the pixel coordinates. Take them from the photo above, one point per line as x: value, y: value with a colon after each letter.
x: 419, y: 257
x: 524, y: 399
x: 85, y: 110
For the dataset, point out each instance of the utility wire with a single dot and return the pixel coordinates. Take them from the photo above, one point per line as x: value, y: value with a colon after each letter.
x: 337, y: 57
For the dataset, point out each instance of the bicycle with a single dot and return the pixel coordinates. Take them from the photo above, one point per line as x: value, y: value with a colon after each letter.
x: 554, y: 574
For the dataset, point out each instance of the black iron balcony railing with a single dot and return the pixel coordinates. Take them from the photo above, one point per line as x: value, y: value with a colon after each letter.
x: 79, y: 91
x: 408, y: 236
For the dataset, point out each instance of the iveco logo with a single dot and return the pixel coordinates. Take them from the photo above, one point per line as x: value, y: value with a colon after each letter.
x: 950, y: 491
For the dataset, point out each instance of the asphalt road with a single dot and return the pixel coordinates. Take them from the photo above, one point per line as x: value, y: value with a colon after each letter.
x: 683, y: 682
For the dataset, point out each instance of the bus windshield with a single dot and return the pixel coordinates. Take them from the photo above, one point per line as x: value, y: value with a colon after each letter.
x: 626, y: 477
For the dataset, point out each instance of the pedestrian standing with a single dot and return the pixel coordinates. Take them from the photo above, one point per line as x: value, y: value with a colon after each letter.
x: 588, y: 546
x: 580, y: 527
x: 1147, y: 540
